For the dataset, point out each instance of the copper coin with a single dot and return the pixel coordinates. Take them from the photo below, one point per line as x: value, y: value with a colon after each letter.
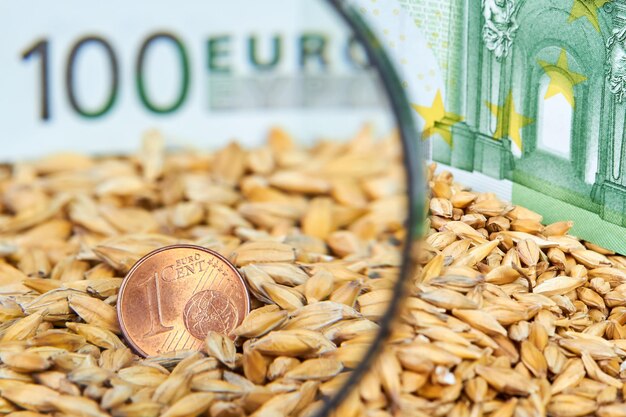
x: 172, y: 297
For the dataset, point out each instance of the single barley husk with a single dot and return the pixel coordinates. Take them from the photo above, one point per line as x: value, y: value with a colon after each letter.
x: 190, y: 405
x: 222, y: 348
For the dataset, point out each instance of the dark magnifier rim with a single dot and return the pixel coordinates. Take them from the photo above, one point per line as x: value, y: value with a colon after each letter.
x: 415, y: 192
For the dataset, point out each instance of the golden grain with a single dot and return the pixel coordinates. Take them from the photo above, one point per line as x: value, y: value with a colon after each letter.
x: 505, y: 317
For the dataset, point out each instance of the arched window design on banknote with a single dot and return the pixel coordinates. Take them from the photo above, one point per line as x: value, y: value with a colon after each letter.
x: 554, y: 115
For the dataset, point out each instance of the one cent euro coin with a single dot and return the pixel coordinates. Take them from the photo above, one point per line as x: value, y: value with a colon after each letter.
x: 172, y: 297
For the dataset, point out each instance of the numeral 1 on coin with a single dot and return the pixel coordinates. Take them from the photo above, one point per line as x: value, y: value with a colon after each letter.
x: 154, y: 307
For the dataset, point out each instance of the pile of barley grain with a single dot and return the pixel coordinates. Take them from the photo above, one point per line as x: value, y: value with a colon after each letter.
x: 316, y: 233
x: 506, y: 317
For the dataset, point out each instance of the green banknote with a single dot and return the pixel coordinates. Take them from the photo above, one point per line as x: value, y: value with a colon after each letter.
x: 535, y: 99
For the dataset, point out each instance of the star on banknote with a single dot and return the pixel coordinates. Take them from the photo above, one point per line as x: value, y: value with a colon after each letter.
x: 516, y: 121
x: 562, y: 78
x: 588, y: 9
x: 433, y: 115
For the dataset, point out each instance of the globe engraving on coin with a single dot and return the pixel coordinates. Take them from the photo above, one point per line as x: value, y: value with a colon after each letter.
x: 209, y: 311
x: 172, y: 297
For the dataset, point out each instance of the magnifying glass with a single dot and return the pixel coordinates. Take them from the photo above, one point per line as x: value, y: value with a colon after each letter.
x: 212, y: 204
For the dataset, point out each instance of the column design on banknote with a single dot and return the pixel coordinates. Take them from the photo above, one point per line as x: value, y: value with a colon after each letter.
x: 497, y: 19
x: 610, y: 186
x: 463, y: 59
x: 482, y: 37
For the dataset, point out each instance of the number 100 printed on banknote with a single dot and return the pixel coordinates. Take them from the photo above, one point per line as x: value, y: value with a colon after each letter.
x: 534, y: 104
